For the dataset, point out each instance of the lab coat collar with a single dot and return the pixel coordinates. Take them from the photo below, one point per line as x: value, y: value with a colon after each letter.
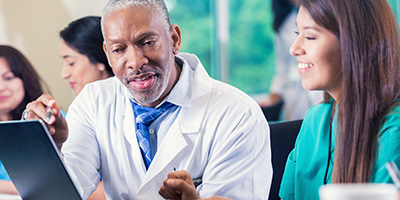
x: 191, y: 118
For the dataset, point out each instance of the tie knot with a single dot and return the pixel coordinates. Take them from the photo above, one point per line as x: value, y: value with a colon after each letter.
x: 145, y: 115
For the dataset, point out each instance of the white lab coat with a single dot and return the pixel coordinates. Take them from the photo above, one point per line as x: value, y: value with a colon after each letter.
x: 222, y: 137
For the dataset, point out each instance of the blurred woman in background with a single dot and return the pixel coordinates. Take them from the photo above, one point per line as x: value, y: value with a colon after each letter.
x: 84, y: 61
x: 81, y: 49
x: 286, y: 90
x: 19, y: 84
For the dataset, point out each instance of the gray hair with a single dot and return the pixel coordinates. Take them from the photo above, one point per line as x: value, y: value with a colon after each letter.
x: 158, y: 5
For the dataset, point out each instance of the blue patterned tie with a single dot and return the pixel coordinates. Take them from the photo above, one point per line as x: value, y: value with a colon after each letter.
x: 144, y: 116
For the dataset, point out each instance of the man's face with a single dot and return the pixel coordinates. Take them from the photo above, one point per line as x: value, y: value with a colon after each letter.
x: 140, y: 50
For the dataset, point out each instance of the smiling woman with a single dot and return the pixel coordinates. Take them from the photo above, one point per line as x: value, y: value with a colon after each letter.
x: 81, y: 49
x: 319, y: 68
x: 351, y: 51
x: 84, y: 61
x: 19, y: 84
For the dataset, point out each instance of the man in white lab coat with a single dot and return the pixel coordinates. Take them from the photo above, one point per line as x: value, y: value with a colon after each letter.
x: 213, y: 131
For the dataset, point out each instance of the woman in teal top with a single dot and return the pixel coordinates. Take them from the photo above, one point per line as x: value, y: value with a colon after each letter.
x: 306, y: 165
x: 3, y: 173
x: 19, y: 85
x: 351, y: 51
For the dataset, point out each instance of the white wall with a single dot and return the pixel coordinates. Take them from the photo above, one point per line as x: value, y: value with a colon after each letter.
x: 32, y: 26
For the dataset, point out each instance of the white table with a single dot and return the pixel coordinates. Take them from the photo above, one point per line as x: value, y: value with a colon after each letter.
x: 9, y: 197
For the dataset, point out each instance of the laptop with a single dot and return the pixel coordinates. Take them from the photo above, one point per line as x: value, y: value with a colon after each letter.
x: 33, y: 162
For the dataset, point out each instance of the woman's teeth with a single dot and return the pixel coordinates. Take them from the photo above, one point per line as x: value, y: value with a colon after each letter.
x: 304, y: 65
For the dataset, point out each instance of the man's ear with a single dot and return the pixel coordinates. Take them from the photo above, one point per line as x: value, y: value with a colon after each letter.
x: 106, y: 52
x: 175, y: 32
x: 105, y: 48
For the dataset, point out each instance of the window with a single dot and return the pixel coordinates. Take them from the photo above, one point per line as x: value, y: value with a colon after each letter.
x: 195, y: 21
x: 249, y: 51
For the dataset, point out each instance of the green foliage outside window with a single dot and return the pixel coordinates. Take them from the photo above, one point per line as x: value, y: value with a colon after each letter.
x: 194, y: 19
x: 251, y: 56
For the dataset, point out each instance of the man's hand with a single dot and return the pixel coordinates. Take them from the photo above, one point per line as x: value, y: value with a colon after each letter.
x: 55, y: 122
x: 178, y: 186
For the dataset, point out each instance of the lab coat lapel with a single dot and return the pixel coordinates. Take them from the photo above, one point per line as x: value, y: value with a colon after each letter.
x: 129, y: 132
x: 171, y: 146
x: 171, y: 151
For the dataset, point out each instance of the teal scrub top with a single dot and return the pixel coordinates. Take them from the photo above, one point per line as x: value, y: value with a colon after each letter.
x: 3, y: 173
x: 307, y: 163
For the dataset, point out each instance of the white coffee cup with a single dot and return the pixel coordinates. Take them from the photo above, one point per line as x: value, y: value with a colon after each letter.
x: 367, y: 191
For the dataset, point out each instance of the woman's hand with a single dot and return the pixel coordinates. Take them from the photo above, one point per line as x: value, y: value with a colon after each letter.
x: 272, y: 100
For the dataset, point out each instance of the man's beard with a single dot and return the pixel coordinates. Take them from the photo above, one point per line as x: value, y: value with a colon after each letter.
x: 150, y: 96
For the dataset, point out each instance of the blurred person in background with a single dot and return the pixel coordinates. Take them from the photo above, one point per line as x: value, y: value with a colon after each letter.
x: 81, y: 50
x: 19, y: 84
x: 286, y: 86
x: 84, y: 60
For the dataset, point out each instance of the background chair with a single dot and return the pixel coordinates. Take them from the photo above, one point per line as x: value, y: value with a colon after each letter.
x: 272, y: 113
x: 283, y: 136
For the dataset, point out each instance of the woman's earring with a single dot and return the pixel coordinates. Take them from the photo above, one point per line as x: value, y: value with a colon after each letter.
x: 175, y: 52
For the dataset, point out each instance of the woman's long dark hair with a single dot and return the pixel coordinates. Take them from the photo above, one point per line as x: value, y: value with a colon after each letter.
x: 370, y: 49
x: 84, y: 35
x: 23, y: 69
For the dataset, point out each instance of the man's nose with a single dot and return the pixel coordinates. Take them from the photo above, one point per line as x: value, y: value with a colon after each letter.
x: 135, y: 58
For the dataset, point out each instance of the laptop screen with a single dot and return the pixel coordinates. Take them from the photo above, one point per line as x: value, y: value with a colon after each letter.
x: 33, y: 161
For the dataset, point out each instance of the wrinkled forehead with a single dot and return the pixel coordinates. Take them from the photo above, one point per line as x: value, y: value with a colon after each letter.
x: 131, y: 25
x: 153, y: 9
x: 132, y: 21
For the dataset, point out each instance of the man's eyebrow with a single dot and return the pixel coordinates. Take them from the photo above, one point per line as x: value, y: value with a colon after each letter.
x: 146, y: 35
x: 112, y: 40
x: 137, y: 38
